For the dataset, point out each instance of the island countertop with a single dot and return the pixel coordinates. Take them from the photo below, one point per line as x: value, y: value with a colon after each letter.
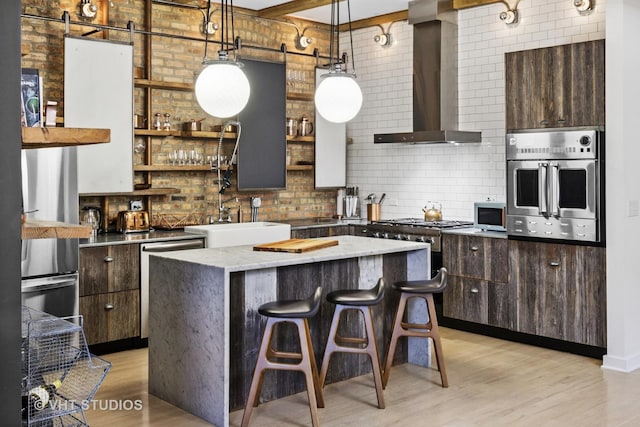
x: 244, y: 258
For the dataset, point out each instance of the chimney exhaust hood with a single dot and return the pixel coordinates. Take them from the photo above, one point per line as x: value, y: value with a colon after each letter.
x: 435, y: 77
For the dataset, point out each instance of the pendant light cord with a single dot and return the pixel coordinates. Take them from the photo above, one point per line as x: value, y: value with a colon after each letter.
x: 206, y: 32
x: 353, y: 60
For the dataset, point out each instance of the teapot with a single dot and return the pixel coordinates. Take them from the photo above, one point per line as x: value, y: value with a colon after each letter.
x: 92, y: 216
x: 432, y: 211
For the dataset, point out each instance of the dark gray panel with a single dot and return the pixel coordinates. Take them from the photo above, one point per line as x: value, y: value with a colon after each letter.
x: 9, y: 213
x: 263, y: 145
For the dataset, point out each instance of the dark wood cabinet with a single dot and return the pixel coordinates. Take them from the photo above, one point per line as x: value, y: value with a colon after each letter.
x: 559, y: 86
x: 110, y: 292
x: 312, y: 232
x: 561, y: 291
x: 478, y: 290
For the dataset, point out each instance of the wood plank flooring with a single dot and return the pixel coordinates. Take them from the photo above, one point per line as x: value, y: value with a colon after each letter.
x: 491, y: 383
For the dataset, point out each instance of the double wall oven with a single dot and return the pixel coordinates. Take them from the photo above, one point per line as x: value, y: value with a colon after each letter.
x: 555, y: 185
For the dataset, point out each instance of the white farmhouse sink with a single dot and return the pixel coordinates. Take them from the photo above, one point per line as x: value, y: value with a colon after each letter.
x: 244, y: 233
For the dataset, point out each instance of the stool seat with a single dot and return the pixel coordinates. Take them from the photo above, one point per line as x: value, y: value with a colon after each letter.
x: 434, y: 285
x: 358, y: 297
x: 287, y: 309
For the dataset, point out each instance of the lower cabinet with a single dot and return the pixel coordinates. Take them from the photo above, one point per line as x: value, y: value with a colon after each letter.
x: 477, y: 289
x: 543, y: 289
x: 312, y: 232
x: 111, y: 317
x: 110, y: 292
x: 561, y: 291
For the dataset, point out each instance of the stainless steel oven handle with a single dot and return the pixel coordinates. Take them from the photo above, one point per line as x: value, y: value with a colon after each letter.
x: 37, y: 285
x: 543, y: 190
x: 554, y: 189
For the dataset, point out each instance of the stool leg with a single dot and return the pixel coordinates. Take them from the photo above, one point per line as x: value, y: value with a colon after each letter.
x: 331, y: 344
x: 308, y: 366
x: 396, y: 333
x: 435, y: 336
x: 372, y: 351
x: 258, y: 373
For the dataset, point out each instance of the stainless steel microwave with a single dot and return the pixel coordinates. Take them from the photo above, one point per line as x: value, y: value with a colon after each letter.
x: 489, y: 216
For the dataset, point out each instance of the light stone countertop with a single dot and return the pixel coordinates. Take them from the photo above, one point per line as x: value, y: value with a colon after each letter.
x: 243, y: 258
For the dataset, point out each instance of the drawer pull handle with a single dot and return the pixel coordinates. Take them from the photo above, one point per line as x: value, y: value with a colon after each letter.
x: 109, y: 307
x: 108, y: 259
x: 554, y: 264
x: 474, y: 248
x: 474, y: 290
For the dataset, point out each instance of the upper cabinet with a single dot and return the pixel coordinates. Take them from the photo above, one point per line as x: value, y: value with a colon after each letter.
x: 560, y: 86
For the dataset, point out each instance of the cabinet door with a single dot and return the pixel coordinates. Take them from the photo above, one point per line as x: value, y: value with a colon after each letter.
x: 587, y: 87
x: 475, y: 256
x: 111, y: 317
x: 501, y: 305
x: 109, y: 269
x: 556, y: 86
x: 466, y: 299
x: 561, y: 291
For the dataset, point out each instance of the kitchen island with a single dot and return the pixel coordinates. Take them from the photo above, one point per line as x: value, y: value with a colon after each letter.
x: 205, y: 330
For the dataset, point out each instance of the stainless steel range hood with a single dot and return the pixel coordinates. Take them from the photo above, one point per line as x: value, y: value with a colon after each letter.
x: 435, y: 77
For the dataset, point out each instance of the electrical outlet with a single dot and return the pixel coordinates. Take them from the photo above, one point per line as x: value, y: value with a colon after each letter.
x: 633, y: 208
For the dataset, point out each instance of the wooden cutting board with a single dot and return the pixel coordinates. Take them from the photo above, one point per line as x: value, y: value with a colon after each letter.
x: 295, y: 245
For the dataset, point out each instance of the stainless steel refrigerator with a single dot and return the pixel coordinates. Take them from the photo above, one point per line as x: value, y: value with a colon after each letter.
x: 50, y: 266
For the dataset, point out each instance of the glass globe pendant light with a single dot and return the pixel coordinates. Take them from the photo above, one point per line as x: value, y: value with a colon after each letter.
x: 338, y: 97
x: 222, y: 89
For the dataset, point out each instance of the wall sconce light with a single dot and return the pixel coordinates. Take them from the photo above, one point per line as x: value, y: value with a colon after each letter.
x: 583, y: 5
x: 88, y: 10
x: 384, y: 39
x: 509, y: 16
x: 302, y: 41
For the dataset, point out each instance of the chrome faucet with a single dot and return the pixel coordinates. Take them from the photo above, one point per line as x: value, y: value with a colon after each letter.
x: 223, y: 212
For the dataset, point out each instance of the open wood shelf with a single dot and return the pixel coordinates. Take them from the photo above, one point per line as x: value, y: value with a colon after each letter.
x: 42, y: 137
x: 228, y: 136
x: 157, y: 84
x: 171, y: 168
x: 146, y: 192
x: 300, y: 167
x: 304, y: 139
x: 37, y: 229
x: 299, y: 96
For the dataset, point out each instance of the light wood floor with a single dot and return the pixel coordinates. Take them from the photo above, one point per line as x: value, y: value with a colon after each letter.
x: 491, y: 383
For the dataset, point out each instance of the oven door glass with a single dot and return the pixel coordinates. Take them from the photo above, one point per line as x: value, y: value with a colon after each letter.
x: 525, y: 187
x: 577, y: 188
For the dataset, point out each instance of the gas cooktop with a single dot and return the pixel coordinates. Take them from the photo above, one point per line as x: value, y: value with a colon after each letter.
x: 419, y: 222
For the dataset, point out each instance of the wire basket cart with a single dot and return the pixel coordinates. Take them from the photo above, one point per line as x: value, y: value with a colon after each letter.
x: 56, y: 358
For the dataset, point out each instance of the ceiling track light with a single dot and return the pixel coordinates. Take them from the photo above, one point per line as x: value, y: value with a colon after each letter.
x: 583, y: 5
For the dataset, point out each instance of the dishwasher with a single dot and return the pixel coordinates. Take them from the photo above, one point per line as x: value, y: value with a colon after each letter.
x: 156, y: 247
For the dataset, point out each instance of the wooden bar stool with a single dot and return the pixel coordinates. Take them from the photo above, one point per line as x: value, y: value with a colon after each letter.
x: 362, y: 300
x: 297, y: 312
x: 418, y: 289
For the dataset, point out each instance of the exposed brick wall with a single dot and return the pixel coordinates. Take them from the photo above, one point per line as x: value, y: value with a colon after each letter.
x: 178, y: 60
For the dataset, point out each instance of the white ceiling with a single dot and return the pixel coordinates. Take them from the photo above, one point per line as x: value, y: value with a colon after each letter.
x: 360, y: 9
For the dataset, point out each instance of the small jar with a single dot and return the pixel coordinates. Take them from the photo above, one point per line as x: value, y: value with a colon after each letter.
x: 167, y: 123
x: 157, y: 124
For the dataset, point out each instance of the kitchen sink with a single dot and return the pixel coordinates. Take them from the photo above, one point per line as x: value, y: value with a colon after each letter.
x: 222, y: 235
